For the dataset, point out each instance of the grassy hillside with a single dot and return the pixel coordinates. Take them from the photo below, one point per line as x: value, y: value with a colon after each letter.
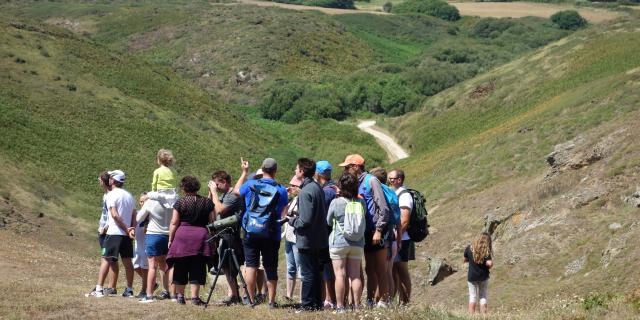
x: 229, y: 49
x: 71, y: 108
x: 565, y: 232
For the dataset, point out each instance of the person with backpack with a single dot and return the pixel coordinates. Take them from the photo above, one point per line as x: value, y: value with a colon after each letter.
x: 265, y: 203
x: 346, y: 216
x: 312, y: 239
x: 377, y: 231
x: 407, y: 247
x: 323, y: 176
x: 394, y: 219
x: 479, y: 256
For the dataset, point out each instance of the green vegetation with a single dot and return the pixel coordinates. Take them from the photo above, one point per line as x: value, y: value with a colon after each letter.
x: 436, y: 8
x: 503, y: 123
x: 229, y: 50
x: 340, y: 4
x: 568, y: 20
x: 81, y: 108
x: 596, y: 300
x: 302, y: 65
x: 418, y: 56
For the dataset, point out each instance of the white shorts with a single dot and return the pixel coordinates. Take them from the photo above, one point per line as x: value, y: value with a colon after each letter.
x: 478, y: 289
x: 350, y: 252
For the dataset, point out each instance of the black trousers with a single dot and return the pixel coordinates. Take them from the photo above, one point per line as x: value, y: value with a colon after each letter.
x: 311, y: 266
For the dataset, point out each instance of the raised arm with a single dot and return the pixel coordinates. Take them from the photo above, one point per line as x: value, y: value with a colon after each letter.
x: 244, y: 165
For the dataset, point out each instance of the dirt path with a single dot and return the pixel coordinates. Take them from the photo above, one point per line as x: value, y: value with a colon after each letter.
x: 394, y: 151
x: 481, y: 9
x: 524, y: 9
x: 330, y: 11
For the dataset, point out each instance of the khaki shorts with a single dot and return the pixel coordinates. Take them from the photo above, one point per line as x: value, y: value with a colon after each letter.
x: 350, y: 252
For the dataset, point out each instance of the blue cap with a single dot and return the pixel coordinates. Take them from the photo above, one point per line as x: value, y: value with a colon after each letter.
x: 323, y: 167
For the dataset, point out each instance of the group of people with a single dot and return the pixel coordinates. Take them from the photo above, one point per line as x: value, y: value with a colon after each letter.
x: 329, y: 227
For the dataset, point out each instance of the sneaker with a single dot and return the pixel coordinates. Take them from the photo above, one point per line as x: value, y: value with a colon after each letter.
x: 273, y: 305
x: 174, y: 298
x: 164, y: 295
x: 382, y: 304
x: 142, y: 294
x: 260, y: 298
x: 146, y: 299
x: 246, y: 301
x: 340, y: 310
x: 128, y: 293
x: 196, y: 301
x: 110, y: 291
x: 180, y: 299
x: 95, y: 293
x: 327, y: 305
x: 370, y: 303
x: 230, y: 301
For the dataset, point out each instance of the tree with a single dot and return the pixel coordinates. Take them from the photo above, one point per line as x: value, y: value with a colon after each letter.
x: 568, y: 20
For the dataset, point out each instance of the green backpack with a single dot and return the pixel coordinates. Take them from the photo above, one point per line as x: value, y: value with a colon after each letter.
x: 418, y: 228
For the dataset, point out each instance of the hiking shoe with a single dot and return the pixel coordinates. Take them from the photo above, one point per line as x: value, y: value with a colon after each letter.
x: 180, y: 299
x: 340, y: 310
x: 95, y: 293
x: 197, y: 301
x: 128, y: 293
x: 110, y: 291
x: 164, y: 295
x: 230, y: 300
x: 142, y: 294
x: 146, y: 299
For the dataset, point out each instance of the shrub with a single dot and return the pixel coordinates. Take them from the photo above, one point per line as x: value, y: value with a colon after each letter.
x: 387, y: 7
x: 436, y: 8
x: 568, y: 20
x: 491, y: 27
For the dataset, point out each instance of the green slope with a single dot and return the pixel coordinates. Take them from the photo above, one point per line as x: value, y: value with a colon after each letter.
x: 70, y: 109
x: 211, y: 43
x: 513, y: 115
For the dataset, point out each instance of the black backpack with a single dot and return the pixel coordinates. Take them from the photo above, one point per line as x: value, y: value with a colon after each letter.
x: 418, y: 228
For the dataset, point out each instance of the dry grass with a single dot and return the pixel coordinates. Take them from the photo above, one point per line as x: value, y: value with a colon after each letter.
x: 525, y: 9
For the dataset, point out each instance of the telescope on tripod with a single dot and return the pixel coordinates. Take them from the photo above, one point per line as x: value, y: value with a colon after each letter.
x: 228, y: 258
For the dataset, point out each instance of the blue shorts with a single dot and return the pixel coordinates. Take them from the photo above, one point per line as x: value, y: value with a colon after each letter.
x: 156, y: 245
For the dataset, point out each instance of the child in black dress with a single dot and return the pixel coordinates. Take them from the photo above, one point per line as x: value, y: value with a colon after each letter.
x: 478, y: 255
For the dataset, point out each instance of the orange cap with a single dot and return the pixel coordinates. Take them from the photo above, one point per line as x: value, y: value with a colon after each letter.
x: 353, y: 159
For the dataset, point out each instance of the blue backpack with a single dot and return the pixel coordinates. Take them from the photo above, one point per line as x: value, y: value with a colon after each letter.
x: 259, y: 220
x: 392, y: 200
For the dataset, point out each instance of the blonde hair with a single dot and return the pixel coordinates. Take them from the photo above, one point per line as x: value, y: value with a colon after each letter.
x: 481, y: 247
x: 165, y: 157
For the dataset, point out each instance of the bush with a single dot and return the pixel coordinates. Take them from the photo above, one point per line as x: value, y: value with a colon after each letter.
x: 491, y: 27
x: 568, y: 20
x: 387, y: 7
x: 436, y: 8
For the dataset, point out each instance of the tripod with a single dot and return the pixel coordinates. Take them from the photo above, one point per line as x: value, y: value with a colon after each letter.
x: 228, y: 257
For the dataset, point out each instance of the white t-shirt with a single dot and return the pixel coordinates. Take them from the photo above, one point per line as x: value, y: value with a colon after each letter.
x: 124, y: 203
x: 405, y: 201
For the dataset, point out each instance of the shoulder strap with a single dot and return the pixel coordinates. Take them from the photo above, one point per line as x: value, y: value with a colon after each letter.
x: 367, y: 182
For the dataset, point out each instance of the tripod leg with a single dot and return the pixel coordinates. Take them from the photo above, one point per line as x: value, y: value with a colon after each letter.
x: 215, y: 280
x: 237, y: 265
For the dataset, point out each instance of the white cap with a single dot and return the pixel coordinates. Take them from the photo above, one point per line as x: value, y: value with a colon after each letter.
x: 117, y: 175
